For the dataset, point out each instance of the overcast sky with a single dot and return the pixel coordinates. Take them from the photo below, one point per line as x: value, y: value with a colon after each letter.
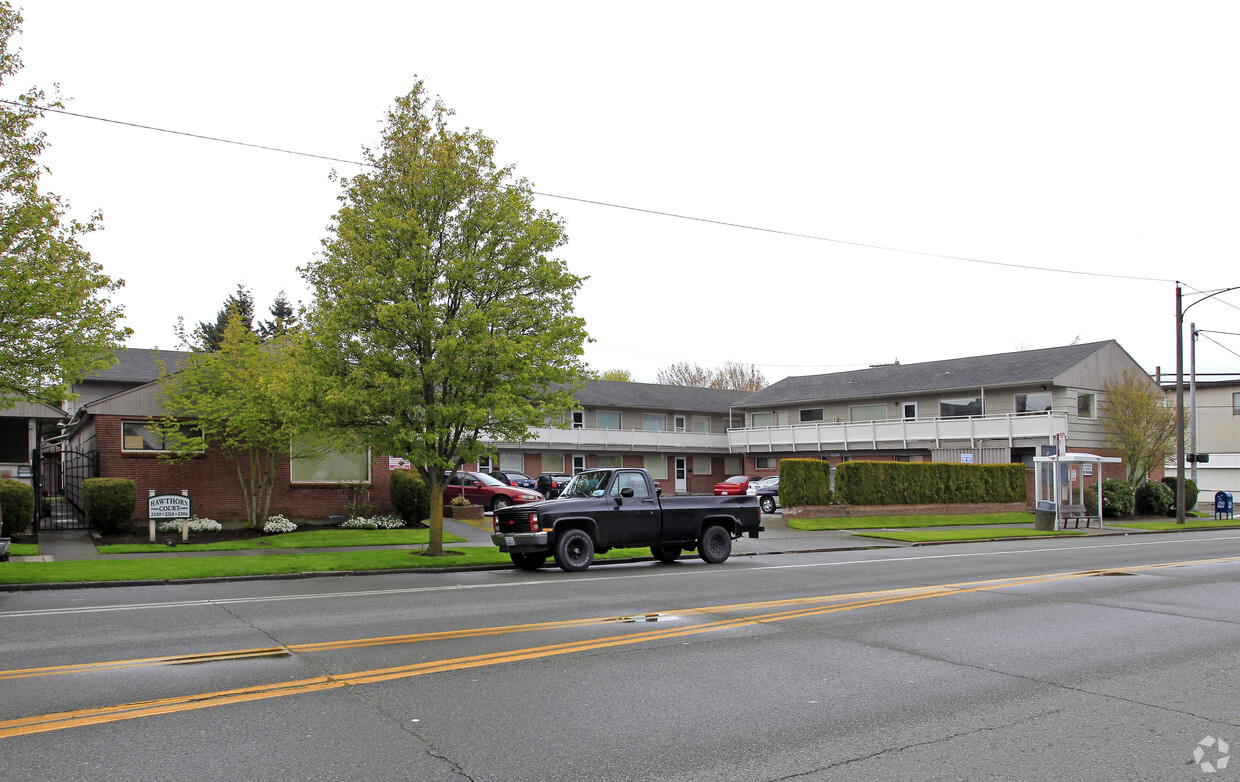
x: 842, y: 160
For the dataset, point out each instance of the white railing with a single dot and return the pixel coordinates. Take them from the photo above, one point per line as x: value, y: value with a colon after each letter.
x: 1031, y: 428
x: 625, y: 440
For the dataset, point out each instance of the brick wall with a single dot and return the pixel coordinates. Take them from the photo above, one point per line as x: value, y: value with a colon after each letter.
x: 215, y: 490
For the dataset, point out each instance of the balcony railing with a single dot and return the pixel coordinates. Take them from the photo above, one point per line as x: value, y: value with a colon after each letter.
x: 1030, y: 428
x: 638, y: 440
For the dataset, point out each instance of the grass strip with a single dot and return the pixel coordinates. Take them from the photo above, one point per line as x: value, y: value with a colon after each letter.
x: 24, y: 549
x: 882, y: 522
x: 321, y: 538
x: 940, y: 535
x: 1171, y: 526
x: 173, y: 568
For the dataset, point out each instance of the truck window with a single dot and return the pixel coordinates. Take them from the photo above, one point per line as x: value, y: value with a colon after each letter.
x: 584, y: 484
x: 630, y: 480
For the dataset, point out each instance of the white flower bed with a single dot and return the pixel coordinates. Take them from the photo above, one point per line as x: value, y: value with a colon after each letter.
x: 195, y: 525
x: 373, y: 522
x: 278, y: 524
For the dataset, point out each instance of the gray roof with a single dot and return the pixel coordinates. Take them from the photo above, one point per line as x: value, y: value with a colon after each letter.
x: 138, y: 365
x: 655, y: 396
x: 1022, y: 366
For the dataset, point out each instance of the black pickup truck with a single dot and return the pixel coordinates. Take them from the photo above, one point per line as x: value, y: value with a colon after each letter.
x: 622, y: 508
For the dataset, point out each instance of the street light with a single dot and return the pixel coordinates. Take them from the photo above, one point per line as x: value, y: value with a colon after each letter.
x: 1179, y: 392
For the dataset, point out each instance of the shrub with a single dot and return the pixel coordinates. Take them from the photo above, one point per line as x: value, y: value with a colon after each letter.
x: 195, y: 525
x: 459, y: 501
x: 278, y: 524
x: 410, y: 496
x: 901, y: 483
x: 374, y: 522
x: 109, y: 502
x: 1117, y: 498
x: 1154, y: 499
x: 804, y: 482
x: 16, y: 506
x: 1190, y: 493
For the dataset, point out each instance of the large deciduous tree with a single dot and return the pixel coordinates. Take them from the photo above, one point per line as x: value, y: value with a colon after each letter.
x: 1139, y: 424
x: 731, y: 375
x: 439, y: 317
x: 236, y: 401
x: 57, y: 323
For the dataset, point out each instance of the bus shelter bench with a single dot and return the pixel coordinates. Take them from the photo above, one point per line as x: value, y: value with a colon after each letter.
x: 1076, y: 514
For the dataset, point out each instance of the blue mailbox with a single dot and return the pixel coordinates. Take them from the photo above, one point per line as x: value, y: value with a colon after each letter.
x: 1223, y: 504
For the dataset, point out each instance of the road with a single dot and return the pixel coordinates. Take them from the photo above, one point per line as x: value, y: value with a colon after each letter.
x: 1106, y: 658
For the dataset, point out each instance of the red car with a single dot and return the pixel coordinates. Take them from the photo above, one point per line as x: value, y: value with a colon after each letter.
x: 737, y: 484
x: 481, y: 489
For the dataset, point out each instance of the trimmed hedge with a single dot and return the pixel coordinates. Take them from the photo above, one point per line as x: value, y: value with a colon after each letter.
x: 109, y: 502
x: 17, y: 506
x: 410, y: 497
x: 1154, y: 499
x: 1190, y: 493
x: 804, y: 482
x: 927, y: 483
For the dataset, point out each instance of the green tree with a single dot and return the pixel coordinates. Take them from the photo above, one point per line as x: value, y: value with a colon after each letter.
x: 438, y: 316
x: 283, y: 319
x: 235, y: 401
x: 1138, y: 423
x: 57, y: 323
x: 623, y: 375
x: 208, y: 337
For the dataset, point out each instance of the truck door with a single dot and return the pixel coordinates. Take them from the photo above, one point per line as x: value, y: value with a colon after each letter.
x: 634, y: 521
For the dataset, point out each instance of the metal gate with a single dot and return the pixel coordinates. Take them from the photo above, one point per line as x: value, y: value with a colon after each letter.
x: 58, y: 489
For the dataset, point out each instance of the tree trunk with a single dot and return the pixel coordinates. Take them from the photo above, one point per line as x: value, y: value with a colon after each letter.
x: 434, y: 547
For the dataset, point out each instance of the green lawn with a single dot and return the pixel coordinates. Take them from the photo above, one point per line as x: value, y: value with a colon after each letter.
x: 882, y: 522
x: 318, y: 538
x: 24, y: 549
x: 1204, y: 523
x: 934, y: 536
x: 270, y: 564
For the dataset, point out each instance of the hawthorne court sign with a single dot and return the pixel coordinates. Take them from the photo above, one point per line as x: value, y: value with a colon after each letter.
x: 168, y: 506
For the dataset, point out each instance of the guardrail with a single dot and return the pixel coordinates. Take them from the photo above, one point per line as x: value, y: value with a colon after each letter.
x: 624, y: 440
x: 919, y: 433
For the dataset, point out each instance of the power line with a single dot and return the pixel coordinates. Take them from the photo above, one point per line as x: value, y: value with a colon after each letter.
x: 610, y: 205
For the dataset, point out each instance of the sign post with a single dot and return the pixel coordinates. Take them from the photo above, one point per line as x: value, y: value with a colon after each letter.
x: 169, y: 506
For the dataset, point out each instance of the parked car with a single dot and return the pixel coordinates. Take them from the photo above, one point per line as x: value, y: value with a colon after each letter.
x: 737, y: 484
x: 551, y: 484
x: 518, y: 479
x: 481, y: 489
x: 768, y: 494
x: 754, y: 485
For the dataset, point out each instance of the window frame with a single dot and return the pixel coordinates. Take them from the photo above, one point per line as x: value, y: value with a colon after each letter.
x: 1016, y: 405
x: 1092, y: 413
x: 649, y: 417
x: 962, y: 401
x: 852, y: 412
x: 147, y: 426
x: 598, y: 414
x: 811, y: 419
x: 370, y: 467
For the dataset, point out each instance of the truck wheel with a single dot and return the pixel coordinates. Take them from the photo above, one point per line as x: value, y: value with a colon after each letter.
x: 574, y: 551
x: 528, y: 561
x: 665, y: 553
x: 715, y: 545
x: 499, y: 503
x: 768, y: 504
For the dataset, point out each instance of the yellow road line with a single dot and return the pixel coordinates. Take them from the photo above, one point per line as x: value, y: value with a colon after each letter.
x: 800, y: 608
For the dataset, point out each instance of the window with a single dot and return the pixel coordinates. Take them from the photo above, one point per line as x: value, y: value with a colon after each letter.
x: 738, y: 421
x: 766, y: 463
x: 484, y: 464
x: 579, y: 419
x: 140, y: 436
x: 657, y: 465
x: 678, y: 423
x: 762, y: 419
x: 630, y: 480
x: 652, y: 422
x: 579, y: 463
x: 609, y: 460
x: 732, y: 465
x: 701, y: 423
x: 553, y: 463
x: 1033, y: 403
x: 876, y: 412
x: 607, y: 419
x: 14, y: 441
x: 312, y: 462
x: 910, y: 411
x: 1235, y: 404
x: 510, y: 461
x: 702, y: 465
x: 960, y: 408
x: 1085, y: 405
x: 812, y: 414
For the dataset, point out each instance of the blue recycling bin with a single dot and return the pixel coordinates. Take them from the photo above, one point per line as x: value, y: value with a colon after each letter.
x: 1223, y: 505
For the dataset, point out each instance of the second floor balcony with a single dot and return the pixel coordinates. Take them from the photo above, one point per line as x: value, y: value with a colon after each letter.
x: 1025, y: 429
x: 634, y: 440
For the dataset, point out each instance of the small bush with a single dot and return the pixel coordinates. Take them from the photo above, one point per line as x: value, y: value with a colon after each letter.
x: 1154, y: 499
x: 410, y: 497
x: 1117, y: 498
x: 374, y: 522
x: 1190, y: 494
x: 109, y: 502
x: 278, y: 524
x: 195, y: 525
x: 16, y: 506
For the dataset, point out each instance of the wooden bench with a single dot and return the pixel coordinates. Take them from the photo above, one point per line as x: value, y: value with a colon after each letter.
x: 1076, y: 514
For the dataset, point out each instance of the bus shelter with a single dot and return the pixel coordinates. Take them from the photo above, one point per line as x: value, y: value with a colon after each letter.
x: 1059, y: 483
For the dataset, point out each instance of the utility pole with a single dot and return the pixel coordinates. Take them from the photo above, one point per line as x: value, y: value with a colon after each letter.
x: 1179, y: 405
